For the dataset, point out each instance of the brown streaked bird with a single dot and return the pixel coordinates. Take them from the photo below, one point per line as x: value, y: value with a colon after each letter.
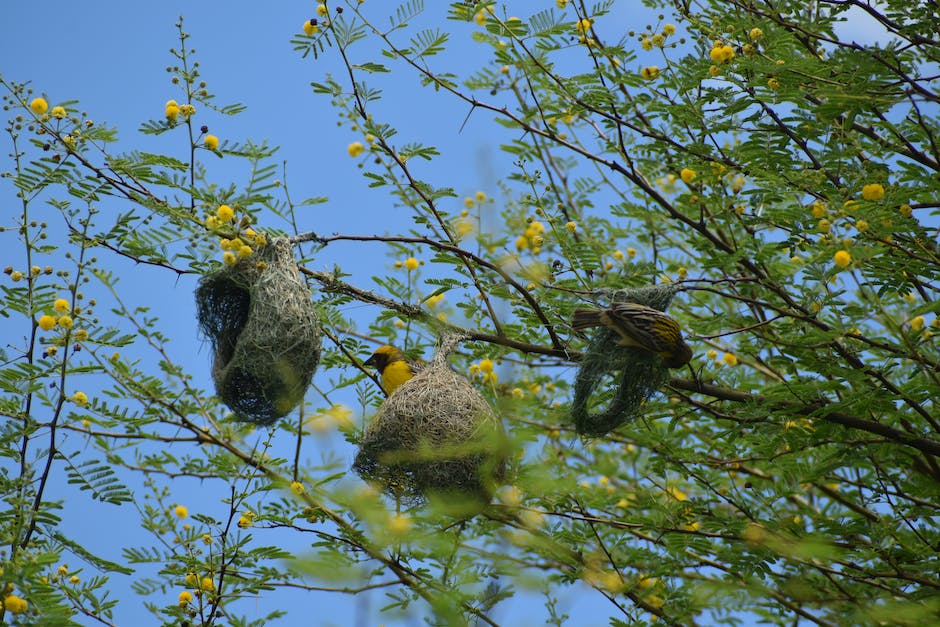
x: 639, y: 327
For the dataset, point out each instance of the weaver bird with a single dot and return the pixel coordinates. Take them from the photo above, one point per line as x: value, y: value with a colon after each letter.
x: 639, y: 327
x: 392, y: 367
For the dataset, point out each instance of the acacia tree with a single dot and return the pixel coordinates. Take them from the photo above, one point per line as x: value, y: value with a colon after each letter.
x: 781, y: 176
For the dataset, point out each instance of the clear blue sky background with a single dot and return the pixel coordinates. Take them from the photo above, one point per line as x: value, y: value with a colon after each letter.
x: 111, y: 56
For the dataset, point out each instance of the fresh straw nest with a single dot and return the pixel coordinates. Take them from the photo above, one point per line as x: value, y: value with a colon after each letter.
x: 264, y: 331
x: 435, y: 434
x: 635, y: 374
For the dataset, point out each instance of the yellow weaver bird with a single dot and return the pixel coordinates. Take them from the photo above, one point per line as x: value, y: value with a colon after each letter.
x: 639, y: 327
x: 392, y: 367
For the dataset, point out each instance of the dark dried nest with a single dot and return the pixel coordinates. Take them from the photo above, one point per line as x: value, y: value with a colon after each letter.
x: 435, y: 434
x: 636, y: 375
x: 264, y: 331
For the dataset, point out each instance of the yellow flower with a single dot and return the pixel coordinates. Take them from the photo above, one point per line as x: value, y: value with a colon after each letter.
x: 399, y: 524
x: 755, y: 34
x: 244, y: 522
x: 47, y: 322
x: 658, y: 40
x: 66, y: 322
x: 186, y: 597
x: 818, y: 209
x: 211, y: 142
x: 646, y: 43
x: 714, y: 70
x: 823, y: 226
x: 669, y: 29
x: 480, y: 18
x: 517, y: 393
x: 712, y: 354
x: 229, y: 258
x: 244, y: 251
x: 206, y: 538
x: 682, y: 272
x: 321, y: 10
x: 583, y: 26
x: 207, y: 584
x: 355, y: 149
x: 480, y: 196
x: 571, y: 227
x: 490, y: 378
x: 631, y: 253
x: 187, y: 110
x: 310, y: 28
x: 297, y: 487
x: 61, y: 305
x: 721, y: 53
x: 39, y: 106
x: 861, y: 225
x: 63, y: 570
x: 842, y: 258
x: 905, y: 210
x: 687, y: 175
x: 411, y: 264
x: 171, y: 111
x: 225, y: 213
x: 561, y: 4
x: 486, y: 365
x: 730, y: 358
x: 873, y: 191
x: 181, y: 511
x: 58, y: 112
x: 917, y: 323
x: 80, y: 399
x: 774, y: 84
x: 649, y: 72
x: 74, y: 579
x: 14, y: 604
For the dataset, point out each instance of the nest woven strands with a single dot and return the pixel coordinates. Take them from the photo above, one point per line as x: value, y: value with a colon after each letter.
x: 636, y: 374
x: 435, y: 434
x: 264, y: 331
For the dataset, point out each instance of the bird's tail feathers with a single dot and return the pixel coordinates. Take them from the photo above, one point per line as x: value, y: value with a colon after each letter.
x: 586, y: 318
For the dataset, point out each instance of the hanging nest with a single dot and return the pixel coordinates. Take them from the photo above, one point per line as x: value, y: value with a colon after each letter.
x: 264, y: 331
x: 636, y: 374
x: 434, y: 435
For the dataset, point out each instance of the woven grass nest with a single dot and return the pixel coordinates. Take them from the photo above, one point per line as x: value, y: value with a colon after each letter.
x: 635, y: 375
x: 264, y: 332
x: 434, y: 435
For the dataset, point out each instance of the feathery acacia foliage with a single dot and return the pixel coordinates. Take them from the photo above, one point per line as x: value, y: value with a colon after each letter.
x: 781, y: 174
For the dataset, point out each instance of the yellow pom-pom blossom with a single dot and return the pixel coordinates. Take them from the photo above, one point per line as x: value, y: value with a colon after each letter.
x: 39, y: 106
x: 721, y: 52
x: 297, y: 487
x: 181, y: 511
x: 14, y: 604
x: 59, y: 112
x: 818, y: 209
x: 522, y: 242
x: 583, y: 26
x: 842, y: 258
x: 411, y: 264
x: 561, y: 4
x: 207, y: 584
x: 730, y: 358
x: 756, y: 34
x: 47, y: 322
x: 355, y: 149
x: 321, y: 10
x: 774, y: 84
x: 480, y: 18
x: 646, y: 43
x: 649, y: 72
x: 66, y: 322
x: 687, y: 175
x: 80, y: 399
x: 631, y: 253
x: 211, y: 142
x: 669, y: 29
x: 571, y: 227
x: 917, y: 323
x: 225, y: 213
x: 712, y: 355
x: 187, y: 110
x: 905, y: 210
x: 61, y: 305
x: 185, y: 598
x: 310, y: 28
x: 480, y: 197
x: 229, y: 258
x: 873, y: 191
x: 399, y: 524
x: 244, y: 251
x: 171, y: 111
x: 658, y: 40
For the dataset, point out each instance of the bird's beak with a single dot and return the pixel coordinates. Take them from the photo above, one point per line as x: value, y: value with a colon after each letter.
x: 371, y: 361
